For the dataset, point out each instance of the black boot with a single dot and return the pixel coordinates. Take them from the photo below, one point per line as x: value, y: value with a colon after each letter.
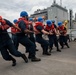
x: 25, y: 58
x: 29, y: 57
x: 45, y: 52
x: 36, y: 49
x: 13, y: 62
x: 62, y: 47
x: 58, y: 50
x: 68, y: 46
x: 50, y: 49
x: 35, y: 59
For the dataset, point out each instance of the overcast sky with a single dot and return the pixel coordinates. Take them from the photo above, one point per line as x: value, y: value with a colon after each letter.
x: 11, y: 9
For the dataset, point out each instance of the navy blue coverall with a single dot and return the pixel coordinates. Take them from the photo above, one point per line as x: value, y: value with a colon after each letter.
x: 25, y: 41
x: 40, y: 40
x: 6, y: 46
x: 15, y: 40
x: 63, y: 40
x: 53, y: 40
x: 31, y: 36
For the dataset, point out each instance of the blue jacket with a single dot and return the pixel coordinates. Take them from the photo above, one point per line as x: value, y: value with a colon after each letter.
x: 4, y: 36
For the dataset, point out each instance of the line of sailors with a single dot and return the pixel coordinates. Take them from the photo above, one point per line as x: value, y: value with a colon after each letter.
x: 27, y: 34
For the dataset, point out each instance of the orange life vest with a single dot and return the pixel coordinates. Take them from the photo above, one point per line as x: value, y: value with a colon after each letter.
x: 25, y: 21
x: 14, y: 30
x: 39, y: 24
x: 50, y: 28
x: 62, y: 29
x: 35, y: 27
x: 3, y: 25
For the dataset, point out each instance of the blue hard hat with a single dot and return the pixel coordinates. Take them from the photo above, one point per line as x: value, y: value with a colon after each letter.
x: 53, y: 21
x: 40, y: 19
x: 49, y: 22
x: 30, y: 19
x: 59, y: 23
x: 23, y: 14
x: 15, y: 20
